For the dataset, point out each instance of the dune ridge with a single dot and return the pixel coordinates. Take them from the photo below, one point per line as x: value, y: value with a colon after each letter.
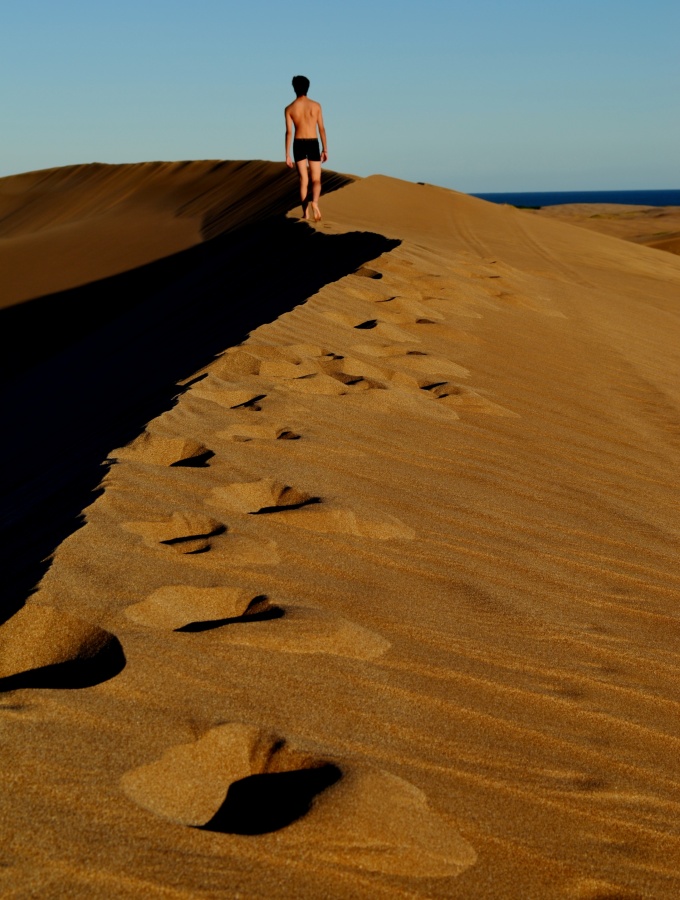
x: 92, y: 221
x: 441, y: 653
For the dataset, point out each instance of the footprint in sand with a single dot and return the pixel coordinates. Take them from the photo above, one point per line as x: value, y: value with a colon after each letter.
x: 165, y: 451
x: 331, y: 376
x: 377, y: 327
x: 402, y: 311
x: 263, y: 496
x: 412, y: 369
x: 195, y: 534
x: 41, y: 647
x: 236, y: 363
x: 226, y: 781
x: 239, y: 779
x: 244, y: 433
x: 183, y: 532
x: 462, y: 399
x: 290, y: 506
x: 366, y: 272
x: 228, y: 393
x: 300, y: 368
x: 263, y: 359
x: 182, y: 606
x: 236, y: 616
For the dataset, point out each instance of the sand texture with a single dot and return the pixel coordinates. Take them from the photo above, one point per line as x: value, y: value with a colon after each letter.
x: 652, y: 226
x: 377, y: 595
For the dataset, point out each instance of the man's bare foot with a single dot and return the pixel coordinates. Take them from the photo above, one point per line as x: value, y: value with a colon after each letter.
x: 305, y: 212
x: 317, y: 212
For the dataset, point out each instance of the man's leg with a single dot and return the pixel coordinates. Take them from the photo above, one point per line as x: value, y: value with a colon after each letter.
x: 315, y: 171
x: 304, y: 185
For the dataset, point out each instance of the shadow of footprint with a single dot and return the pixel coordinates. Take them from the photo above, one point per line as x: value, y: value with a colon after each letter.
x: 40, y: 647
x: 260, y: 804
x: 266, y: 615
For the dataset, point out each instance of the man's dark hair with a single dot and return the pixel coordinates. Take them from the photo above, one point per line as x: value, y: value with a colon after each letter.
x: 301, y: 85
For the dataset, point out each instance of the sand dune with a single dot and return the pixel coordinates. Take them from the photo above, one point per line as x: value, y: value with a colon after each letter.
x: 653, y: 226
x: 395, y: 576
x: 88, y: 222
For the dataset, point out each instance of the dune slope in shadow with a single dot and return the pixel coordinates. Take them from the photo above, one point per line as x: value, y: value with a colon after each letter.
x: 139, y: 333
x: 68, y: 226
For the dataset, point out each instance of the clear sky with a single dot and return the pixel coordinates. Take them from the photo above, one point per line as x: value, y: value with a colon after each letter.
x: 480, y: 95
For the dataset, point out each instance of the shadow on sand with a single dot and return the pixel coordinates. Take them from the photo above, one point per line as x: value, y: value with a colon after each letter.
x: 72, y: 393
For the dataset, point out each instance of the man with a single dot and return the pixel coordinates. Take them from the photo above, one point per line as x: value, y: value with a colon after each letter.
x: 306, y: 116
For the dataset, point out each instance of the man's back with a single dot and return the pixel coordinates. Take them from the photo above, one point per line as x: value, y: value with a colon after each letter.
x: 305, y: 117
x: 305, y: 114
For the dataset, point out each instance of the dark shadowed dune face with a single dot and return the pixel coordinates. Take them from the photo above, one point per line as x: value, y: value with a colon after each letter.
x: 92, y: 221
x: 98, y: 359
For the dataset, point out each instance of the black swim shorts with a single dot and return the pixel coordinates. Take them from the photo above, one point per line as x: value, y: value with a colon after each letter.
x: 306, y: 148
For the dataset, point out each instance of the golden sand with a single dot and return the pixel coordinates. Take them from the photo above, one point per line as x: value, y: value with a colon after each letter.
x: 396, y: 581
x: 652, y: 226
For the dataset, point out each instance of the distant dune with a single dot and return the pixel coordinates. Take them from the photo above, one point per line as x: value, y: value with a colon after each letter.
x: 653, y: 226
x: 377, y: 592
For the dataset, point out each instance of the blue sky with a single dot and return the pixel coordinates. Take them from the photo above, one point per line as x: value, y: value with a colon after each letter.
x: 479, y: 96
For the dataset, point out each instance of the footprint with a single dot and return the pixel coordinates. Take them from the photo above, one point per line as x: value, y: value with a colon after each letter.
x: 288, y: 629
x: 244, y: 433
x: 305, y: 630
x: 403, y: 311
x: 366, y: 272
x: 41, y: 647
x: 177, y: 606
x: 423, y: 362
x: 326, y: 518
x: 193, y: 534
x: 243, y: 780
x: 236, y: 363
x: 466, y: 400
x: 375, y: 326
x: 263, y: 496
x: 165, y: 451
x: 283, y: 368
x: 400, y: 403
x: 183, y: 532
x: 319, y: 383
x: 227, y: 393
x: 229, y: 780
x: 414, y: 363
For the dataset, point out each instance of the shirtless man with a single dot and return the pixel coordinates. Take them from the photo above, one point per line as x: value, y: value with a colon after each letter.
x: 306, y: 116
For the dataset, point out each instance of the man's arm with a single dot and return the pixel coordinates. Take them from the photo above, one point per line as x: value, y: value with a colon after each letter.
x: 322, y: 132
x: 289, y: 135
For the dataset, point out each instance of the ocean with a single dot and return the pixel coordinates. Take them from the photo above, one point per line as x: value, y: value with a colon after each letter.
x: 553, y: 198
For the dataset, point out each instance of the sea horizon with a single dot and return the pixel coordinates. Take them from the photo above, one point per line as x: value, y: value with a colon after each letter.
x: 537, y: 199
